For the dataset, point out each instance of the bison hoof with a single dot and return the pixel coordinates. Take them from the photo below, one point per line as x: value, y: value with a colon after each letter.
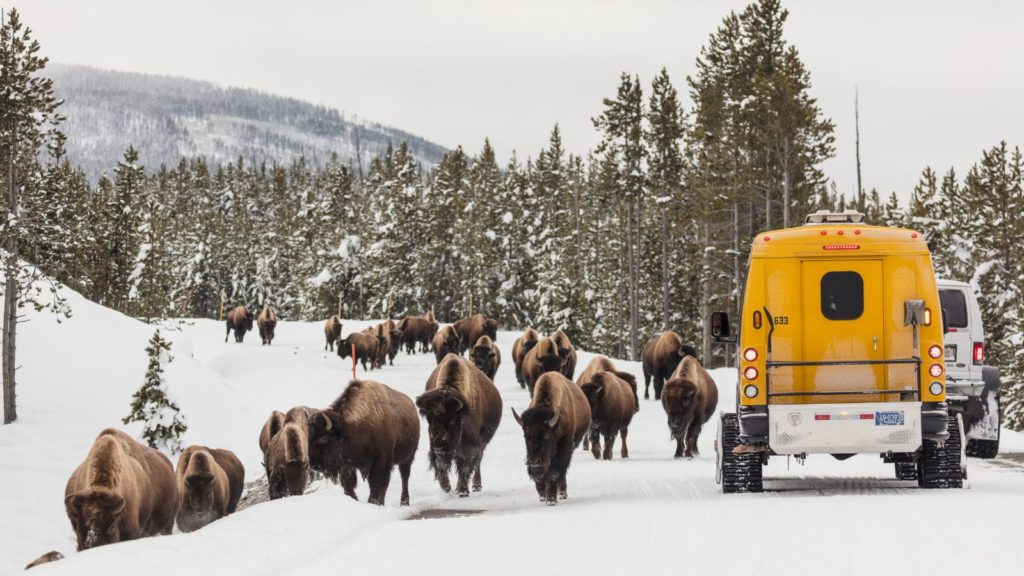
x: 563, y: 495
x: 550, y: 502
x: 405, y: 501
x: 477, y: 487
x: 647, y: 395
x: 463, y: 493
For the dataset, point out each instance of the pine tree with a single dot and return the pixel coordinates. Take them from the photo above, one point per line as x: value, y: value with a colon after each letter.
x: 163, y: 423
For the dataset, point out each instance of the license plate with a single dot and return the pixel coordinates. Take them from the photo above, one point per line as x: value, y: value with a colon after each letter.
x: 951, y: 352
x: 889, y: 418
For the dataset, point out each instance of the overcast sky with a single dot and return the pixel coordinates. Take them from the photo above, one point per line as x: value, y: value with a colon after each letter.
x: 939, y: 81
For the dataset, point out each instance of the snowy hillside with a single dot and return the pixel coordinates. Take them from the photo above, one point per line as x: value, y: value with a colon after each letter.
x: 649, y: 514
x: 167, y: 118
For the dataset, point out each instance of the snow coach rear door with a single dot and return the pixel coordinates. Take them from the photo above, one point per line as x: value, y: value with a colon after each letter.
x: 842, y: 315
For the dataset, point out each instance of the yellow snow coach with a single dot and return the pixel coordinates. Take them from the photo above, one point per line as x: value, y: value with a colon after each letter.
x: 840, y: 352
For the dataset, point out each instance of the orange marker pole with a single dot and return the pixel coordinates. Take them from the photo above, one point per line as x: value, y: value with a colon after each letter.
x: 353, y: 361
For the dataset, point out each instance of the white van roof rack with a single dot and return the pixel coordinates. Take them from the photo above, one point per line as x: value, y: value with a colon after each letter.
x: 828, y: 217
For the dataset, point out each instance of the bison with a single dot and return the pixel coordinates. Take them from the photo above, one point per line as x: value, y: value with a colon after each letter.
x: 690, y: 399
x: 370, y: 428
x: 661, y: 355
x: 463, y: 409
x: 267, y: 322
x: 122, y: 491
x: 366, y: 347
x: 270, y: 429
x: 445, y: 341
x: 520, y: 348
x: 486, y: 356
x: 288, y: 461
x: 542, y: 358
x: 612, y: 405
x: 332, y: 331
x: 394, y: 340
x: 567, y: 352
x: 239, y: 319
x: 209, y: 484
x: 553, y: 425
x: 417, y: 330
x: 471, y: 329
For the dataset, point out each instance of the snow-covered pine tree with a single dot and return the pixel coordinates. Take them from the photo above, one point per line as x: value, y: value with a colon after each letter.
x: 163, y: 423
x: 925, y: 215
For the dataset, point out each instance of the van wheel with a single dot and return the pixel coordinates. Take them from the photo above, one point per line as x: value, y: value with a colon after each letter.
x: 939, y: 466
x: 906, y: 471
x: 737, y: 472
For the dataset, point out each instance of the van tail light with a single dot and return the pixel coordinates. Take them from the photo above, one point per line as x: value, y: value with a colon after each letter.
x: 979, y: 352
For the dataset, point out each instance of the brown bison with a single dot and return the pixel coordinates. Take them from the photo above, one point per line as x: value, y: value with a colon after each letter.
x: 567, y: 352
x: 553, y: 425
x: 209, y: 484
x: 267, y: 322
x: 661, y: 355
x: 612, y: 405
x: 486, y: 356
x: 540, y: 359
x: 122, y: 491
x: 394, y: 340
x: 383, y: 343
x: 370, y: 428
x: 471, y: 329
x: 332, y: 331
x: 463, y: 409
x: 240, y: 320
x: 417, y: 330
x: 288, y: 458
x: 270, y: 429
x: 520, y: 348
x: 603, y: 364
x: 445, y: 341
x: 690, y: 399
x: 366, y: 348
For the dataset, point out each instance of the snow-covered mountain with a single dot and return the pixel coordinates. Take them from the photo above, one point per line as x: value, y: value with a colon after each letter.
x: 166, y: 118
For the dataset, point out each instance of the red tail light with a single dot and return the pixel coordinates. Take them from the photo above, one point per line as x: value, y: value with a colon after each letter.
x: 979, y: 352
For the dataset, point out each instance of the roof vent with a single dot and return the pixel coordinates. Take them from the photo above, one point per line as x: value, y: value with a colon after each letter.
x: 827, y: 217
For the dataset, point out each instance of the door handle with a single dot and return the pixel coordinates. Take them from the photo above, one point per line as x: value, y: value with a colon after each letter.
x: 874, y: 342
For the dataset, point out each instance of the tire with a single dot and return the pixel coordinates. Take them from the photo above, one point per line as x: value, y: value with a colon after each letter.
x: 939, y: 466
x: 736, y: 472
x: 986, y: 449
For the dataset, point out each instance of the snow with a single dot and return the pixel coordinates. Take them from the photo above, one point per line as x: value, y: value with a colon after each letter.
x: 649, y: 514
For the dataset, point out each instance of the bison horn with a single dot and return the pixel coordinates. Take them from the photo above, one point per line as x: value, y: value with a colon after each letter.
x: 327, y: 422
x: 554, y: 420
x: 459, y: 404
x: 519, y: 420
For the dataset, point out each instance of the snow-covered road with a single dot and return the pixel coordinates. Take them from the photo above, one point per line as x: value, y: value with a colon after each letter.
x: 649, y: 514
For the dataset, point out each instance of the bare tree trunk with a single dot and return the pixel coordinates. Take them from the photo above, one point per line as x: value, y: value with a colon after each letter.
x: 630, y: 258
x: 785, y: 183
x: 10, y: 323
x: 856, y: 123
x: 664, y: 268
x: 705, y: 309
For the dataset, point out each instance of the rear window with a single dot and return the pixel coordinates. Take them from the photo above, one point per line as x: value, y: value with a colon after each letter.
x: 954, y: 307
x: 842, y: 295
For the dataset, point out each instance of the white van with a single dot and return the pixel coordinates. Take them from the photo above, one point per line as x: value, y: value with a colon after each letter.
x: 971, y: 386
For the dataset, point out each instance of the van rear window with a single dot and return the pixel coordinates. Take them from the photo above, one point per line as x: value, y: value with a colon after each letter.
x: 842, y: 295
x: 954, y: 306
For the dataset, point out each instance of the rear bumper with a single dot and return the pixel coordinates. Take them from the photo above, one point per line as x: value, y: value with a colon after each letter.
x: 868, y: 427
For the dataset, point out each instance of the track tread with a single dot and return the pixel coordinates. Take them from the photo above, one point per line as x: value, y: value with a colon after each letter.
x: 939, y: 466
x: 740, y: 472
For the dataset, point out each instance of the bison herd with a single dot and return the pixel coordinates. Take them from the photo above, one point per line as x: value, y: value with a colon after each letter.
x: 124, y: 490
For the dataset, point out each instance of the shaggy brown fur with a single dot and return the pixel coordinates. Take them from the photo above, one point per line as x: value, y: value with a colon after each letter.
x: 370, y: 428
x: 332, y: 331
x: 445, y: 341
x: 288, y: 463
x: 209, y: 484
x: 417, y: 330
x: 558, y: 418
x: 51, y: 556
x: 520, y: 348
x: 240, y: 320
x: 661, y: 355
x: 471, y: 329
x: 690, y: 399
x: 567, y: 352
x: 486, y: 356
x: 463, y: 409
x: 540, y: 359
x: 267, y: 322
x: 612, y: 405
x: 122, y: 491
x: 367, y: 346
x: 603, y: 364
